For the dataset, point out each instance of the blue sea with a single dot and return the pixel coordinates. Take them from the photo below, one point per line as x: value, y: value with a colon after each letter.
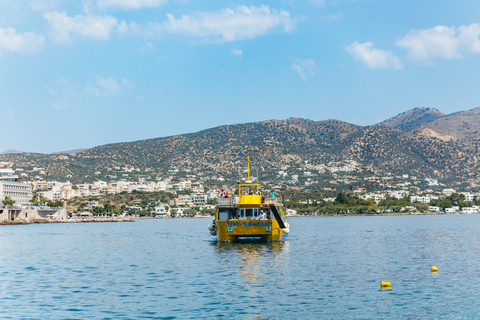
x: 327, y: 268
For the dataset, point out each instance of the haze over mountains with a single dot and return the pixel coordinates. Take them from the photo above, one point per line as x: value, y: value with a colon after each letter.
x: 422, y: 142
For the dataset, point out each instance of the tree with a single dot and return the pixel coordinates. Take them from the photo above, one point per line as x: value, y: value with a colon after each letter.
x: 143, y: 213
x: 81, y: 206
x: 445, y: 203
x: 8, y: 201
x: 210, y: 212
x: 212, y: 201
x: 190, y: 212
x: 34, y: 199
x: 341, y: 198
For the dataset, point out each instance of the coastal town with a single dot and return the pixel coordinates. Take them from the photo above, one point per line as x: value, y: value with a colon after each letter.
x: 193, y: 194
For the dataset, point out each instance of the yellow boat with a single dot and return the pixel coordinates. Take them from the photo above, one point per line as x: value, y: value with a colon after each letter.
x: 249, y: 215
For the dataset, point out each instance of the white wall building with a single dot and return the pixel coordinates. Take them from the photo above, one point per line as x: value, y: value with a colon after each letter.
x: 469, y: 210
x: 468, y: 196
x: 425, y: 199
x: 12, y: 187
x: 199, y: 198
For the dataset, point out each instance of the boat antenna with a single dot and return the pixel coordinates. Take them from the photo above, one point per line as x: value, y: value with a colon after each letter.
x: 248, y: 158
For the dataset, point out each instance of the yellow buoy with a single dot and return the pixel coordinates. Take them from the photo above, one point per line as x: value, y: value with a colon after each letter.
x: 434, y: 269
x: 385, y: 284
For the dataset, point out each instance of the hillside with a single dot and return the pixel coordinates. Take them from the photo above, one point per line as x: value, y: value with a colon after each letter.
x: 11, y: 151
x: 413, y: 118
x: 464, y: 122
x: 459, y: 124
x: 448, y: 155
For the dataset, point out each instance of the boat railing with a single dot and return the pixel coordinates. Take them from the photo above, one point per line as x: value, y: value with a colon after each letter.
x: 230, y: 201
x: 276, y: 200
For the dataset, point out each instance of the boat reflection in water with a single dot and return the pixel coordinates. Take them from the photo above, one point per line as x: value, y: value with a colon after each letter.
x: 253, y: 269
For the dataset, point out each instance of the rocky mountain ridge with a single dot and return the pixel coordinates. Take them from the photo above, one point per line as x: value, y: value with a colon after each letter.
x: 420, y: 142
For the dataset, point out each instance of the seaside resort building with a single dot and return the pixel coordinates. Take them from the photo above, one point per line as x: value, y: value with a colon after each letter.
x: 12, y: 187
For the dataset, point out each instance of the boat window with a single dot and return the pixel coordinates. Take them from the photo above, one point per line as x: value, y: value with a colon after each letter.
x: 251, y: 213
x: 223, y: 215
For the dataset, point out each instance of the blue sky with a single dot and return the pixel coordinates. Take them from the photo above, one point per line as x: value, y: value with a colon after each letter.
x: 79, y: 73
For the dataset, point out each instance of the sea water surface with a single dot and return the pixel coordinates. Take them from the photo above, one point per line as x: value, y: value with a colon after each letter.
x: 327, y: 267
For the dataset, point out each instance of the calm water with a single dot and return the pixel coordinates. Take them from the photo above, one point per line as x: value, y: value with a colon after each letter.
x: 328, y: 267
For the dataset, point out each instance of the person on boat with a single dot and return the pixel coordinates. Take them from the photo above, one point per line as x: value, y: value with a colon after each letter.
x: 226, y: 194
x: 274, y: 194
x: 263, y: 215
x: 222, y: 193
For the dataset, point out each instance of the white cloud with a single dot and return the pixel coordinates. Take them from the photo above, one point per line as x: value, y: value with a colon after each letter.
x: 63, y: 27
x: 441, y: 42
x: 130, y: 4
x: 109, y: 86
x: 44, y: 5
x: 27, y: 42
x: 59, y: 105
x: 304, y: 67
x: 228, y: 24
x: 236, y: 52
x: 317, y: 3
x: 10, y: 115
x: 332, y: 16
x: 374, y: 58
x: 50, y: 90
x: 148, y: 48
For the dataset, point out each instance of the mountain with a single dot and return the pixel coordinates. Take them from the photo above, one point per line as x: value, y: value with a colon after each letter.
x: 71, y: 152
x: 464, y: 123
x: 11, y: 151
x: 421, y: 142
x: 274, y: 143
x: 411, y: 119
x: 459, y: 124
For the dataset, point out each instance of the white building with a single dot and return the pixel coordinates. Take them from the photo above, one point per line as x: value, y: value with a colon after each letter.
x: 12, y: 187
x: 468, y: 196
x: 469, y: 210
x: 425, y: 199
x: 161, y: 210
x: 199, y: 198
x: 399, y: 194
x: 448, y: 192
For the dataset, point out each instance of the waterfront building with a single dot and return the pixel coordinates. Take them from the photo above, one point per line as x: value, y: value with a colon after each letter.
x: 11, y: 186
x: 161, y: 210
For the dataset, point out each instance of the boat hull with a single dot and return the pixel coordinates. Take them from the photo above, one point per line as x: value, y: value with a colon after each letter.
x: 264, y: 229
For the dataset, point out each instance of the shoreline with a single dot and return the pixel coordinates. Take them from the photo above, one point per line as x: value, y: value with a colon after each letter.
x: 428, y: 213
x: 42, y: 221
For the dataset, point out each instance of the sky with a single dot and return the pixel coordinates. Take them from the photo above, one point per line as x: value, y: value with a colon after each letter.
x: 82, y: 73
